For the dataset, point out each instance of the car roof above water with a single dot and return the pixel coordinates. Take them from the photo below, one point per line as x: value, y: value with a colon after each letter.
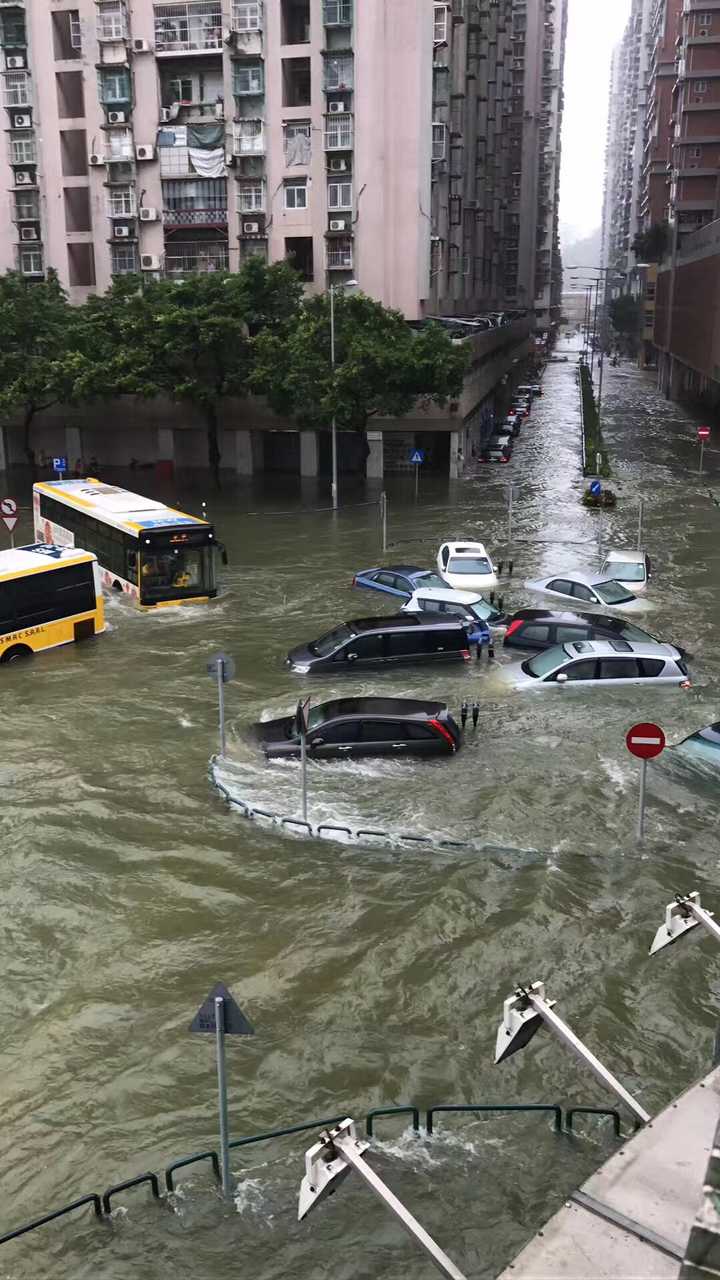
x: 380, y: 707
x: 401, y: 621
x: 569, y: 618
x: 612, y: 648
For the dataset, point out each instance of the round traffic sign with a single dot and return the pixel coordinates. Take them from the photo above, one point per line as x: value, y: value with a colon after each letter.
x: 8, y: 507
x: 703, y: 433
x: 645, y: 741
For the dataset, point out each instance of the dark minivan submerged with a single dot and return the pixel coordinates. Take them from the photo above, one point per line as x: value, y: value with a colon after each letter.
x: 363, y: 727
x: 384, y: 642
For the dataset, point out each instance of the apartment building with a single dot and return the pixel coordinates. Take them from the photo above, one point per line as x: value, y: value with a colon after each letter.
x: 411, y: 145
x: 694, y: 197
x: 625, y: 155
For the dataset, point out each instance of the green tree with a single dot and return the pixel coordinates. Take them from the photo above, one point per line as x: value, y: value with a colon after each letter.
x: 189, y: 340
x: 383, y: 366
x: 651, y: 245
x: 39, y: 337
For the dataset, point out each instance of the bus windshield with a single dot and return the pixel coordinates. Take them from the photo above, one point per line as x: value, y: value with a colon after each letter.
x: 169, y: 572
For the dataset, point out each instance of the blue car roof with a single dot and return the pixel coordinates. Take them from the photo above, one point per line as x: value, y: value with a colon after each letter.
x: 396, y: 568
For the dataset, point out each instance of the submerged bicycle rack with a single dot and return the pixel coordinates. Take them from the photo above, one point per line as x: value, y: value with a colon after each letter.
x: 563, y: 1125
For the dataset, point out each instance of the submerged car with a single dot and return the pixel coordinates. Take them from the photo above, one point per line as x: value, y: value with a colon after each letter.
x: 475, y: 611
x: 537, y: 629
x: 466, y: 566
x: 384, y: 643
x: 588, y: 588
x: 631, y: 568
x: 703, y: 745
x: 397, y: 579
x: 363, y: 727
x: 603, y: 662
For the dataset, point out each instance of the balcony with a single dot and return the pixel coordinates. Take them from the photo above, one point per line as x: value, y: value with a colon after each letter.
x: 338, y: 73
x: 192, y: 259
x: 17, y: 89
x: 12, y: 31
x: 26, y: 207
x: 30, y: 262
x: 23, y: 149
x: 192, y: 27
x: 112, y: 25
x: 199, y: 204
x: 337, y: 13
x: 122, y: 204
x: 248, y: 80
x: 195, y: 217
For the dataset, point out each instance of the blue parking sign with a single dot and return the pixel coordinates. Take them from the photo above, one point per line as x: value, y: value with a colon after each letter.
x: 60, y: 464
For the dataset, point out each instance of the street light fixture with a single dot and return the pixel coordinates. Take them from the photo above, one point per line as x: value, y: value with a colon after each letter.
x: 349, y: 284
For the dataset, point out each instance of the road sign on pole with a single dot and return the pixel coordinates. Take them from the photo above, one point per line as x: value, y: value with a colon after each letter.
x: 220, y: 1015
x: 595, y: 488
x: 222, y: 669
x: 703, y: 434
x: 417, y: 457
x: 9, y: 515
x: 301, y: 715
x: 646, y: 741
x: 60, y: 465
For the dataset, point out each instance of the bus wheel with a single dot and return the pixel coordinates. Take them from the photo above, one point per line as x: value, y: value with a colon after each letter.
x: 16, y: 653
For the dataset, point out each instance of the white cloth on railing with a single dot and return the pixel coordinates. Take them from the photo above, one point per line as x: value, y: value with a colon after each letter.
x: 210, y: 164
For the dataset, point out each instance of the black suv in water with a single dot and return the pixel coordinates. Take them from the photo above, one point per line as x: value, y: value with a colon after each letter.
x: 364, y: 727
x: 384, y: 642
x: 535, y: 629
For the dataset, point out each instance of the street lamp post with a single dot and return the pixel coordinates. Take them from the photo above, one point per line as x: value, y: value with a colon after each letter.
x: 349, y: 284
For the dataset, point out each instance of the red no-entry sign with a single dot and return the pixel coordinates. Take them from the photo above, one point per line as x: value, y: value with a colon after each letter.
x: 703, y: 433
x: 645, y: 741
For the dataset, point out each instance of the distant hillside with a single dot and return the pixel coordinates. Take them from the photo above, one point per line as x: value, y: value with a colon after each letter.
x: 582, y: 253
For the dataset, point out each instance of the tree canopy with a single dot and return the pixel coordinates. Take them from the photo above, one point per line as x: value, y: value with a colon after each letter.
x: 651, y: 245
x: 382, y: 366
x: 626, y: 314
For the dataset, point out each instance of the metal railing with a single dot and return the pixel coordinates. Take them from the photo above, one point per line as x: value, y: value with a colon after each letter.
x: 101, y: 1202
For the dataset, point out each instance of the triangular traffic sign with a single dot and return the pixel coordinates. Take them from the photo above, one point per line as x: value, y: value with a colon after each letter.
x: 10, y: 522
x: 236, y: 1024
x: 417, y: 456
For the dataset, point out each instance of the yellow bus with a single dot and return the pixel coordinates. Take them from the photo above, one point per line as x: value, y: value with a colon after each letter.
x: 152, y: 553
x: 48, y: 596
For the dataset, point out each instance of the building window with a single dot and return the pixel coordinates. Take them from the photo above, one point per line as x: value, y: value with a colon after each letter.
x: 112, y: 21
x: 249, y: 137
x: 338, y: 132
x: 22, y: 148
x: 201, y: 203
x: 81, y: 265
x: 340, y: 255
x: 247, y: 15
x: 453, y: 259
x: 16, y: 89
x: 700, y: 86
x: 704, y: 19
x: 178, y: 90
x: 338, y: 72
x: 121, y: 202
x: 337, y: 13
x: 250, y: 197
x: 297, y: 139
x: 439, y: 141
x: 248, y: 79
x: 196, y: 24
x: 12, y: 29
x: 113, y: 86
x: 30, y: 262
x: 119, y: 145
x: 196, y: 258
x: 27, y: 206
x: 296, y: 81
x: 299, y: 252
x: 296, y: 195
x: 123, y: 259
x: 436, y: 256
x: 441, y: 24
x: 340, y: 195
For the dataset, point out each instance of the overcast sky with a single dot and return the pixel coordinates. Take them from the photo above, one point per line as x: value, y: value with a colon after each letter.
x: 594, y: 28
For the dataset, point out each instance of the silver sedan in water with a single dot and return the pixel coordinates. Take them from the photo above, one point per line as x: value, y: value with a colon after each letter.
x: 589, y: 588
x: 600, y: 662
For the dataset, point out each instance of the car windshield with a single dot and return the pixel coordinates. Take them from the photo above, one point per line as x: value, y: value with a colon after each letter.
x: 329, y: 643
x: 469, y: 564
x: 428, y: 580
x: 612, y: 592
x: 484, y: 611
x: 628, y: 571
x: 543, y: 663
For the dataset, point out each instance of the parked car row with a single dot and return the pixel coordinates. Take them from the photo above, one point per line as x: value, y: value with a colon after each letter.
x: 499, y: 447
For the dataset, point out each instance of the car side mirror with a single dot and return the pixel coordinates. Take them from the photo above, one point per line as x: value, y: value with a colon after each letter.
x: 562, y: 678
x: 351, y: 657
x: 317, y: 742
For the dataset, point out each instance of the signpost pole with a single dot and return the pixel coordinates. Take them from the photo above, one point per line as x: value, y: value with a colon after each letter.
x: 303, y: 769
x: 221, y: 703
x: 702, y: 450
x: 384, y: 519
x: 222, y: 1094
x: 510, y: 520
x: 417, y: 481
x: 641, y: 808
x: 640, y: 524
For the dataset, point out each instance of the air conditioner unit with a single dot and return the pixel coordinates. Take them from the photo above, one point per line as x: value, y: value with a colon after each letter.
x: 148, y: 215
x: 335, y: 108
x: 219, y: 110
x: 22, y: 122
x: 121, y: 233
x: 150, y: 262
x: 29, y: 233
x: 140, y: 46
x: 165, y: 115
x: 145, y: 152
x: 23, y: 178
x: 96, y: 159
x: 15, y: 63
x: 337, y: 166
x: 229, y: 159
x: 251, y: 228
x: 117, y: 117
x: 337, y: 224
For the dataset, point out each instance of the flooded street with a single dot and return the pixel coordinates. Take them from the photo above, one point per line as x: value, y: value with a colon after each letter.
x: 374, y: 976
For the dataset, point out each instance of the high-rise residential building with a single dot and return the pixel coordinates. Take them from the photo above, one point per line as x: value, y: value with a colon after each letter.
x: 659, y: 129
x: 694, y: 194
x: 409, y: 144
x: 622, y: 212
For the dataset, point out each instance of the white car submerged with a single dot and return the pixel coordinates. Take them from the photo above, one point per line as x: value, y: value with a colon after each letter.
x: 466, y: 566
x: 631, y: 568
x: 588, y: 588
x: 463, y: 604
x: 600, y: 662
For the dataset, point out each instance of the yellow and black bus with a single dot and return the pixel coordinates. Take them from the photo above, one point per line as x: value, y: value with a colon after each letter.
x: 48, y: 596
x: 146, y: 550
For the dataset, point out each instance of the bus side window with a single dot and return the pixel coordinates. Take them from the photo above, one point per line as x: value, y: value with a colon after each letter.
x: 132, y: 563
